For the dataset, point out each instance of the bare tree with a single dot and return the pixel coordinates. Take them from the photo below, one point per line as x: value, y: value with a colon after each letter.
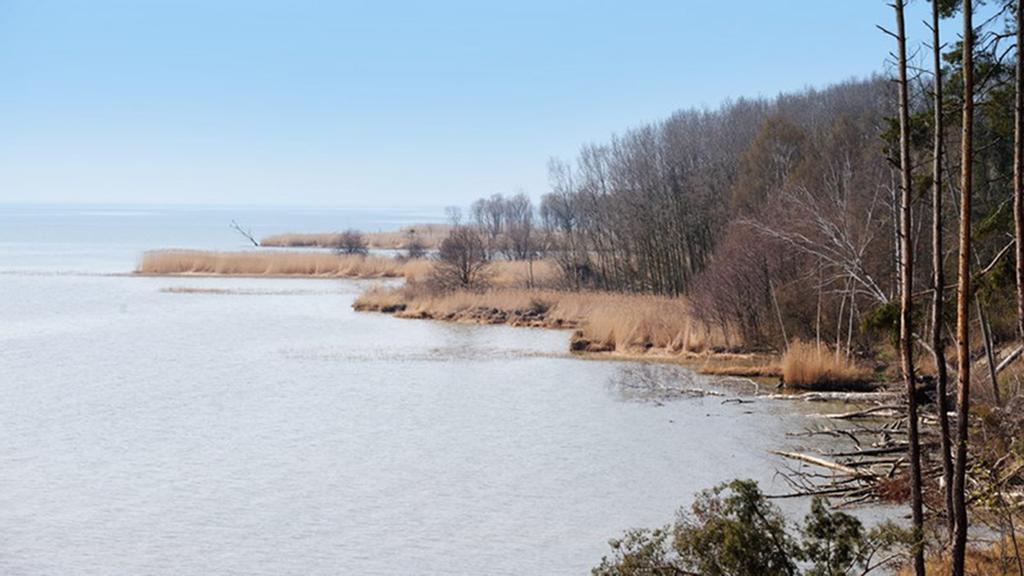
x: 1018, y: 165
x: 489, y: 216
x: 461, y: 261
x: 519, y: 227
x: 352, y: 242
x: 963, y: 296
x: 938, y: 275
x: 906, y: 294
x: 414, y: 247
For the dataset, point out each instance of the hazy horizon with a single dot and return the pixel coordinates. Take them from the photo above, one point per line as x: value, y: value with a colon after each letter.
x: 360, y: 105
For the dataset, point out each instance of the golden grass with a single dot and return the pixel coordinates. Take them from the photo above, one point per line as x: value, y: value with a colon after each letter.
x: 996, y: 559
x: 323, y: 240
x: 266, y: 263
x: 623, y: 322
x: 740, y: 369
x: 323, y: 265
x: 429, y: 235
x: 806, y: 365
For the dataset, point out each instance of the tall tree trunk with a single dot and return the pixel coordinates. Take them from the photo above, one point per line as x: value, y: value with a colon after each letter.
x: 963, y: 350
x: 1018, y: 168
x: 906, y: 293
x: 938, y: 276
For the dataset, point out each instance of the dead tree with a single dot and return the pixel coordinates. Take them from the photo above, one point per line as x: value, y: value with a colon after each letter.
x: 938, y: 276
x: 962, y: 298
x: 1018, y: 166
x: 247, y: 233
x: 906, y: 294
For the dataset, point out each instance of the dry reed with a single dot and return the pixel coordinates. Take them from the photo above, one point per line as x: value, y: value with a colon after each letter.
x: 266, y: 263
x: 429, y: 236
x: 623, y: 322
x: 997, y: 559
x: 806, y: 365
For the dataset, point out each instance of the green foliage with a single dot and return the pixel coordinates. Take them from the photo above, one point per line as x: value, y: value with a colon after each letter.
x: 947, y: 8
x: 834, y: 542
x: 638, y: 553
x: 885, y: 320
x: 733, y: 530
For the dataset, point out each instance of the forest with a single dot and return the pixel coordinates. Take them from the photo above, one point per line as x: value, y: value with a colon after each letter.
x: 880, y: 219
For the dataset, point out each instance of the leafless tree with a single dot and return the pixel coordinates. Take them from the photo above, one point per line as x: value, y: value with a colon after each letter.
x: 414, y: 247
x: 963, y: 296
x: 352, y: 242
x: 938, y: 276
x: 1018, y: 164
x: 461, y: 261
x: 907, y: 292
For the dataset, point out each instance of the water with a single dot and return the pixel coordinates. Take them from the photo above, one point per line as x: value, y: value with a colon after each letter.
x: 153, y: 426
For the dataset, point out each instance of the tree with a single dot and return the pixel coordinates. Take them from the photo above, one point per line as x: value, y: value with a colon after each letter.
x: 907, y: 291
x: 938, y: 276
x: 1018, y: 164
x: 352, y: 242
x: 461, y: 260
x: 963, y: 295
x: 414, y: 248
x: 519, y: 228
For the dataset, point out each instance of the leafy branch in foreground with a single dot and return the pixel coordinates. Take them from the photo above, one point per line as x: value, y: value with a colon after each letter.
x: 733, y: 530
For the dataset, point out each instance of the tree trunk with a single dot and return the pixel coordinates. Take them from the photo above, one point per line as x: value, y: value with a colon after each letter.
x: 938, y: 277
x: 963, y: 395
x: 1018, y: 168
x: 906, y: 293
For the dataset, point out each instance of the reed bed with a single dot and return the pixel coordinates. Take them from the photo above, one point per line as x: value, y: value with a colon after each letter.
x: 322, y: 240
x: 428, y: 235
x: 267, y: 263
x: 807, y: 365
x: 622, y: 322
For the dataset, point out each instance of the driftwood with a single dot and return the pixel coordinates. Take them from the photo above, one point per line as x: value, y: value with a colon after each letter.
x: 245, y: 232
x: 837, y: 396
x: 818, y: 462
x: 874, y: 411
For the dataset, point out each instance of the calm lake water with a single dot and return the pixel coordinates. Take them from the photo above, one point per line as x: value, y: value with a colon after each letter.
x: 146, y: 429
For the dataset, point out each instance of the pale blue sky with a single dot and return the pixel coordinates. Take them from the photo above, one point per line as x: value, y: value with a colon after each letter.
x: 379, y: 102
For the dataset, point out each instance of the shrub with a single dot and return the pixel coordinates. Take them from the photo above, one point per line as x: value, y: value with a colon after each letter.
x: 733, y: 530
x: 352, y: 242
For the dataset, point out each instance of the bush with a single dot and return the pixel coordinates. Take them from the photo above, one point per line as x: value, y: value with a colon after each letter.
x: 351, y: 242
x: 733, y: 530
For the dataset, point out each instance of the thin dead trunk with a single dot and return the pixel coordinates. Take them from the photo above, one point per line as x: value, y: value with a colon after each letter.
x: 938, y: 277
x: 990, y: 353
x: 962, y: 298
x: 1018, y: 168
x: 906, y: 293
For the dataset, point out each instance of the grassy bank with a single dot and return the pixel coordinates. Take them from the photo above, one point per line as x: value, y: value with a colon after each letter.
x: 604, y: 322
x: 626, y: 326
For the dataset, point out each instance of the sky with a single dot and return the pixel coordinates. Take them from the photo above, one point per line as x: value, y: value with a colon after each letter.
x: 380, y: 103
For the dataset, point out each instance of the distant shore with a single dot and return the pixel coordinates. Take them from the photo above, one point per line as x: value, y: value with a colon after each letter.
x: 605, y: 325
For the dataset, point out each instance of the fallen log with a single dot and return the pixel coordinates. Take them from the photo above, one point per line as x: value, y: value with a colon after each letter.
x: 852, y: 397
x: 820, y: 462
x: 888, y: 409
